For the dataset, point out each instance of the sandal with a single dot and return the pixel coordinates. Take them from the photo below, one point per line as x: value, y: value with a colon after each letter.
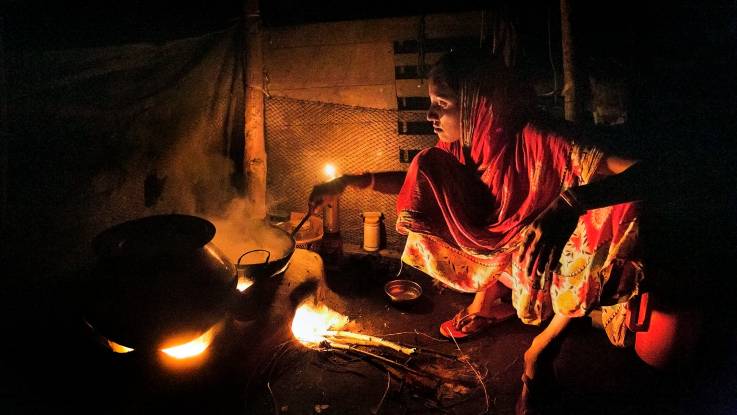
x: 465, y: 324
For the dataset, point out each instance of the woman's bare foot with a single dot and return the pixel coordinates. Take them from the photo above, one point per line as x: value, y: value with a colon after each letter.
x: 538, y: 379
x: 539, y: 386
x: 485, y: 303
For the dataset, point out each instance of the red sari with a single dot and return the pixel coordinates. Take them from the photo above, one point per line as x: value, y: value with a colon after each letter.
x: 464, y: 211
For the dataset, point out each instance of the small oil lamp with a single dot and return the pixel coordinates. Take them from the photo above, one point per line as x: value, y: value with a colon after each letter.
x: 331, y: 247
x: 332, y: 205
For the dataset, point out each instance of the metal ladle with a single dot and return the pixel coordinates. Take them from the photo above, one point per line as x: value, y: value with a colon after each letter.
x: 310, y: 208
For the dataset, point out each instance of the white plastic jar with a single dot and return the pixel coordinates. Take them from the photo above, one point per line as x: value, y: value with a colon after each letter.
x: 371, y: 231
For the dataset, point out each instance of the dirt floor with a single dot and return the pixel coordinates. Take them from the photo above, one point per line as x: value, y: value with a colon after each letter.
x: 595, y: 377
x: 53, y: 366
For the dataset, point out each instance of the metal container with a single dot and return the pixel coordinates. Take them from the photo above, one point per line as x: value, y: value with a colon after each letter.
x: 331, y: 215
x: 403, y: 291
x: 155, y: 278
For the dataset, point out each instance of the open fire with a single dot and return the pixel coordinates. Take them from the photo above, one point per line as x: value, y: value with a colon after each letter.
x: 179, y: 348
x: 194, y: 347
x: 447, y: 377
x: 317, y: 326
x: 312, y: 322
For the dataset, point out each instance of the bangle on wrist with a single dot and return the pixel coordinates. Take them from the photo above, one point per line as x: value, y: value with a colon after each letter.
x: 570, y: 199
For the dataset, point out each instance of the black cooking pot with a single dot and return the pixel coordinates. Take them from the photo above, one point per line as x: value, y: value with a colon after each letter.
x: 266, y: 267
x: 262, y: 267
x: 160, y: 276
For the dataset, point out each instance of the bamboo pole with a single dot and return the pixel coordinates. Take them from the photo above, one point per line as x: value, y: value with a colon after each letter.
x: 255, y: 145
x: 571, y: 88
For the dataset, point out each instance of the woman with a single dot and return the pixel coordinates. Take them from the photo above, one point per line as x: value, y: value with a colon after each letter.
x: 506, y: 201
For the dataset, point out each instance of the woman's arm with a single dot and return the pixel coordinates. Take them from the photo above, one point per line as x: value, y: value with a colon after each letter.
x: 624, y: 181
x: 389, y: 182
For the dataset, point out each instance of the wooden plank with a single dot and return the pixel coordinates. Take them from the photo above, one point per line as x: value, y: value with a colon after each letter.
x: 411, y: 88
x: 343, y: 32
x: 330, y: 65
x: 453, y: 25
x: 374, y: 30
x: 415, y: 128
x: 412, y: 58
x: 434, y: 45
x: 408, y: 72
x: 413, y: 103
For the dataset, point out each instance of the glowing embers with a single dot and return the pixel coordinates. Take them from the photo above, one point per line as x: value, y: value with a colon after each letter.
x: 183, y: 347
x: 194, y: 347
x: 243, y: 283
x: 312, y: 322
x: 118, y: 348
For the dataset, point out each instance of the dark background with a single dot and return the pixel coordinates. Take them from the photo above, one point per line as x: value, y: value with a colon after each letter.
x: 678, y: 59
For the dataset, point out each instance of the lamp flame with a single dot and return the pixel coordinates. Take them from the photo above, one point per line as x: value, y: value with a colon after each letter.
x: 311, y: 322
x: 330, y: 171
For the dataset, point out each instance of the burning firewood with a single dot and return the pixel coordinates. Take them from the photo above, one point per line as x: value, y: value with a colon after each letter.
x: 446, y: 377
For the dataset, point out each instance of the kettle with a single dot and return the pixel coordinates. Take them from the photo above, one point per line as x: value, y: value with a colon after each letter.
x: 155, y: 278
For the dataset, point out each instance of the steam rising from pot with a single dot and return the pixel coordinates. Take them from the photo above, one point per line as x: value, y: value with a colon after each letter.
x: 238, y: 233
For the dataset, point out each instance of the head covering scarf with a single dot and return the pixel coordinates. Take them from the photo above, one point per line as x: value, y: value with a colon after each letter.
x: 511, y: 169
x: 464, y: 206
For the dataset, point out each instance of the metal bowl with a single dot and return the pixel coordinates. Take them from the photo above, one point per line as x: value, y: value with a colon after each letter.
x: 402, y: 291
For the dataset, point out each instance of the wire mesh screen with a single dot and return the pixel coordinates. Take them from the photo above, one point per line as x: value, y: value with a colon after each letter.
x: 303, y: 136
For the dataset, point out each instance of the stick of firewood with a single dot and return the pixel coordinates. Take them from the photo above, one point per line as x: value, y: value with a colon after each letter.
x: 369, y: 341
x: 359, y: 342
x: 352, y: 342
x: 383, y: 359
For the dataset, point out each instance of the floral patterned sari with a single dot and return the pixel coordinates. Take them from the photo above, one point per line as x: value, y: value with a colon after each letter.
x: 464, y: 209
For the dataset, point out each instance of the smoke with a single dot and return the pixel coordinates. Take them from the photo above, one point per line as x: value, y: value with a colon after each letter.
x: 199, y: 184
x: 238, y: 232
x: 196, y: 180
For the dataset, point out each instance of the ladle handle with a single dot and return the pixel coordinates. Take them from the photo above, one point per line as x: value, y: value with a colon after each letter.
x: 302, y: 222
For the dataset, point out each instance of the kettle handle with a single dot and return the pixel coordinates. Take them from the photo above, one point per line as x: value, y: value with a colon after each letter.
x: 268, y: 255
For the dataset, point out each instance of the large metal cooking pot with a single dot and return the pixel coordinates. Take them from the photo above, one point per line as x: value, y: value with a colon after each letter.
x: 160, y: 276
x: 261, y: 267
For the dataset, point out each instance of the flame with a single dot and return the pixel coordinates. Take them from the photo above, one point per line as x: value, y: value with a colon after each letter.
x: 330, y: 171
x: 312, y: 321
x: 118, y: 348
x: 243, y: 283
x: 194, y: 347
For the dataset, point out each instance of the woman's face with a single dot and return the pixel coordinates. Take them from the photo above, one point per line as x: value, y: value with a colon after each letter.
x: 444, y: 112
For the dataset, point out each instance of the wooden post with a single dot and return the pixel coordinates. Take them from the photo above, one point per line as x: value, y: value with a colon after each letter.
x: 571, y: 89
x: 255, y: 145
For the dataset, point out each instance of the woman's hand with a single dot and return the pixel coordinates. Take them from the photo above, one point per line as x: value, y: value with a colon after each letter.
x: 545, y: 239
x: 323, y: 191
